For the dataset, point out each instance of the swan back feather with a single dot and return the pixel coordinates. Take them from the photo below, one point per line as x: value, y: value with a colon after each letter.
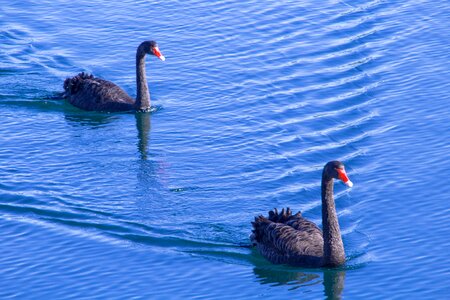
x: 284, y: 238
x: 95, y: 94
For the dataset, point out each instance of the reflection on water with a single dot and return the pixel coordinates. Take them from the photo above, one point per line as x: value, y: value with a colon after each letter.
x: 93, y: 119
x: 282, y: 277
x: 333, y: 280
x: 148, y: 167
x: 143, y: 125
x: 264, y: 96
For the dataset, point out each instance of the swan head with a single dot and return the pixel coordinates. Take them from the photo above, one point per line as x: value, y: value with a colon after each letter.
x: 151, y: 47
x: 335, y: 169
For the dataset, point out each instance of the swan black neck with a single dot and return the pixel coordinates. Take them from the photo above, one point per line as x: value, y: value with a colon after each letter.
x: 333, y: 248
x: 143, y: 94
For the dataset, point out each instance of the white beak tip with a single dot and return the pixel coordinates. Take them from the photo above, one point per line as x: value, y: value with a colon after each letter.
x: 162, y: 58
x: 349, y: 183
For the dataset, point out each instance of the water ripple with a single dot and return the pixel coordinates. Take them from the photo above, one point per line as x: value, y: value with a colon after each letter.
x: 253, y: 100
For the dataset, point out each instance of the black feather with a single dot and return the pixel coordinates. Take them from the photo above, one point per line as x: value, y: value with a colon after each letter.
x: 287, y: 239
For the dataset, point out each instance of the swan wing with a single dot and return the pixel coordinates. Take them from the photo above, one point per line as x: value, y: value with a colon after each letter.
x: 90, y: 93
x: 282, y: 243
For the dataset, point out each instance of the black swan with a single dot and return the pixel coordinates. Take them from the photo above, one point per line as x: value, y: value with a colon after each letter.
x: 89, y: 93
x: 283, y: 238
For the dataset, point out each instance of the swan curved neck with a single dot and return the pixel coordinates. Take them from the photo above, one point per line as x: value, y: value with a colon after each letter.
x: 143, y: 95
x: 333, y: 247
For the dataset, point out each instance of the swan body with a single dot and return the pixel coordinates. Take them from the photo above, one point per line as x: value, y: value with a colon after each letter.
x: 286, y: 238
x: 90, y: 93
x: 95, y: 94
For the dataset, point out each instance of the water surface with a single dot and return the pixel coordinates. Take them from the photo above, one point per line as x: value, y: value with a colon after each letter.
x: 253, y: 99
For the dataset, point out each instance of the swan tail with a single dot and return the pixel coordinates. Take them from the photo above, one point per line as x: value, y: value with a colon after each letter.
x: 282, y: 217
x: 259, y: 227
x: 261, y: 224
x: 72, y: 85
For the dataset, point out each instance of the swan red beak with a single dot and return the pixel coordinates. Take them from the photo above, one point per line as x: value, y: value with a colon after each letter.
x: 158, y: 54
x: 343, y: 176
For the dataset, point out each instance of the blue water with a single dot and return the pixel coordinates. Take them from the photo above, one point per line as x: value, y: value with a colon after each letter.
x: 253, y: 99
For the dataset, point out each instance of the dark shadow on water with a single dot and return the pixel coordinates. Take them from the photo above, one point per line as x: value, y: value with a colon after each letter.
x: 281, y: 276
x: 333, y: 280
x: 299, y: 279
x: 98, y: 119
x: 92, y: 119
